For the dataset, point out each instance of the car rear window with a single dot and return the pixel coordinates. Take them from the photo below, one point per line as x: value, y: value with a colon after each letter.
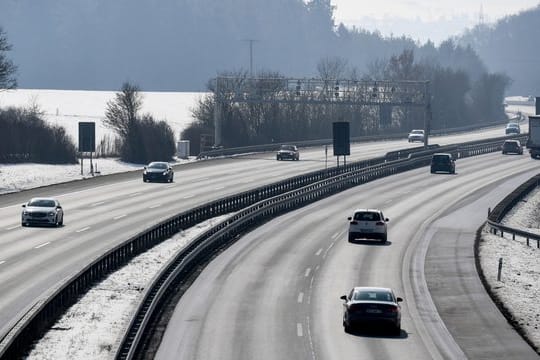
x: 375, y: 295
x: 367, y: 216
x: 441, y: 159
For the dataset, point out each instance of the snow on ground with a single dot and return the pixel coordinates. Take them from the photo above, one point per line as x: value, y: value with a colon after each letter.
x: 93, y: 327
x: 69, y: 107
x: 519, y: 288
x: 17, y: 177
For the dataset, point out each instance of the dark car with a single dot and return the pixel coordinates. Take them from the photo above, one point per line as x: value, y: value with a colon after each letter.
x: 443, y: 162
x: 512, y: 128
x: 42, y: 211
x: 512, y: 147
x: 158, y: 171
x: 288, y: 152
x: 371, y: 305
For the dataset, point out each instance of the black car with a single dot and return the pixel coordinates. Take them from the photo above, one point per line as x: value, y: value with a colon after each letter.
x: 158, y: 171
x: 371, y: 305
x: 288, y: 152
x: 443, y: 162
x: 512, y: 128
x: 512, y: 147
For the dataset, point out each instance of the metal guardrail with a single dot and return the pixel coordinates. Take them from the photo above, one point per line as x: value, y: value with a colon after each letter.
x: 311, y: 143
x: 252, y: 206
x: 502, y: 208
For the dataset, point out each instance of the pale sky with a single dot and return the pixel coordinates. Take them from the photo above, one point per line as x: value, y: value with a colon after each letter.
x: 423, y: 19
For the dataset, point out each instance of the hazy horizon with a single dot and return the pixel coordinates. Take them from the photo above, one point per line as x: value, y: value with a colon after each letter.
x: 423, y: 19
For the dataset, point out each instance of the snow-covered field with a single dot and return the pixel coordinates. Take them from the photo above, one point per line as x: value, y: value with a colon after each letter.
x: 69, y: 107
x: 519, y: 288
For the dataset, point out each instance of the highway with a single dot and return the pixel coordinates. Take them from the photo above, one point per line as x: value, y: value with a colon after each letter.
x: 274, y: 294
x: 105, y: 211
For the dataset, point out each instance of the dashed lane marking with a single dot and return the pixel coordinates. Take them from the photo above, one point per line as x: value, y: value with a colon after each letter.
x: 335, y: 235
x: 1, y: 262
x: 299, y: 330
x: 42, y: 245
x: 300, y: 297
x: 83, y: 229
x: 154, y: 206
x: 318, y: 252
x: 98, y: 203
x: 134, y: 194
x: 219, y: 188
x: 308, y: 271
x: 119, y: 217
x: 188, y: 196
x: 13, y: 227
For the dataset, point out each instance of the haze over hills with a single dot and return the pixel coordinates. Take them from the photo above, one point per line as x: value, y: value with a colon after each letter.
x: 511, y: 45
x: 173, y: 45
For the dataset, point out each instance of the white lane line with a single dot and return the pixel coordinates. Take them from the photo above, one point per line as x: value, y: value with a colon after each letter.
x: 83, y: 229
x: 201, y: 179
x: 13, y: 227
x: 134, y: 194
x: 300, y: 297
x: 388, y: 201
x: 335, y: 235
x: 154, y: 206
x: 318, y: 252
x: 327, y: 250
x: 299, y: 330
x: 219, y: 188
x: 1, y: 262
x: 98, y: 203
x: 42, y: 245
x: 188, y: 196
x: 119, y: 217
x: 308, y: 271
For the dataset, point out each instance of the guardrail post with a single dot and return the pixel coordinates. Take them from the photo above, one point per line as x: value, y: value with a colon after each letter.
x: 500, y: 269
x: 528, y: 241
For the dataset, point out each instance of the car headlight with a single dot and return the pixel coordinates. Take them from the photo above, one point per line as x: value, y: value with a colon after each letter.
x: 164, y: 173
x: 144, y: 172
x: 25, y: 212
x: 51, y: 213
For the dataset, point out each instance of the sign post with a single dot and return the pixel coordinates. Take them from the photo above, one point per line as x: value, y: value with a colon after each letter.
x: 87, y: 142
x: 341, y: 137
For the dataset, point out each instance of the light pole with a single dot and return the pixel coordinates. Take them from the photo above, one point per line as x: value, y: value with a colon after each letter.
x: 251, y: 41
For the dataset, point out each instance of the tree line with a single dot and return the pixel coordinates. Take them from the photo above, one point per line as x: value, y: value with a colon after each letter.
x: 458, y: 98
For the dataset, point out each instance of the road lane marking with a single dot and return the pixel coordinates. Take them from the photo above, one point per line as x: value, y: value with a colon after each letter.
x: 335, y: 235
x: 98, y: 203
x: 327, y: 250
x: 300, y: 297
x: 13, y: 227
x: 188, y: 196
x: 119, y: 217
x: 42, y: 245
x: 154, y: 206
x: 388, y: 201
x: 1, y: 262
x: 219, y: 188
x: 134, y: 194
x: 318, y: 252
x: 201, y: 179
x: 299, y: 330
x: 83, y: 229
x: 308, y: 271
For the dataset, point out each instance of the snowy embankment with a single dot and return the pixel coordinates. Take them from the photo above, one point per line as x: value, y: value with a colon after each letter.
x: 519, y: 288
x: 94, y: 326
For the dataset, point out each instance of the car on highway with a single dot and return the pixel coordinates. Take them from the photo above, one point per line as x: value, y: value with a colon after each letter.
x: 371, y: 305
x: 288, y: 152
x: 416, y: 135
x: 42, y: 211
x: 368, y: 224
x: 443, y: 162
x: 512, y: 147
x: 512, y: 128
x: 158, y: 171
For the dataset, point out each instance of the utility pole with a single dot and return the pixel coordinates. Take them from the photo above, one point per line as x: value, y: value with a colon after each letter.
x: 251, y: 41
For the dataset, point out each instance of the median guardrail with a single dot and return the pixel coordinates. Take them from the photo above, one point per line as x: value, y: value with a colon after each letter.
x: 252, y: 206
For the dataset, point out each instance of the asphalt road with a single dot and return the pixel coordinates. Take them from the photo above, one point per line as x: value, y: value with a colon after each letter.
x: 105, y: 211
x: 274, y: 294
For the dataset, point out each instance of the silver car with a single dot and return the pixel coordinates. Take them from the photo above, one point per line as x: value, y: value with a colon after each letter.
x: 416, y: 135
x: 368, y: 224
x: 42, y: 211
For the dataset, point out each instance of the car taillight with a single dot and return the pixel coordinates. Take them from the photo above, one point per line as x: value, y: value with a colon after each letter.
x: 392, y: 309
x: 354, y: 222
x: 355, y: 308
x: 379, y: 223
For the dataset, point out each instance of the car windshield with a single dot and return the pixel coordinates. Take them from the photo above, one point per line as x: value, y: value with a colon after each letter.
x: 42, y: 203
x: 421, y: 132
x: 373, y: 295
x: 367, y: 216
x: 288, y: 147
x: 158, y: 165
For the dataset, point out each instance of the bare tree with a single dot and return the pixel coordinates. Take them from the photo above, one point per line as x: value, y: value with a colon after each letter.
x: 332, y: 67
x: 7, y: 68
x: 121, y: 113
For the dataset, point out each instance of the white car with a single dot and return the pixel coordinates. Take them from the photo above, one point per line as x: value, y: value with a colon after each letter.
x: 42, y: 211
x: 416, y: 135
x: 368, y: 224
